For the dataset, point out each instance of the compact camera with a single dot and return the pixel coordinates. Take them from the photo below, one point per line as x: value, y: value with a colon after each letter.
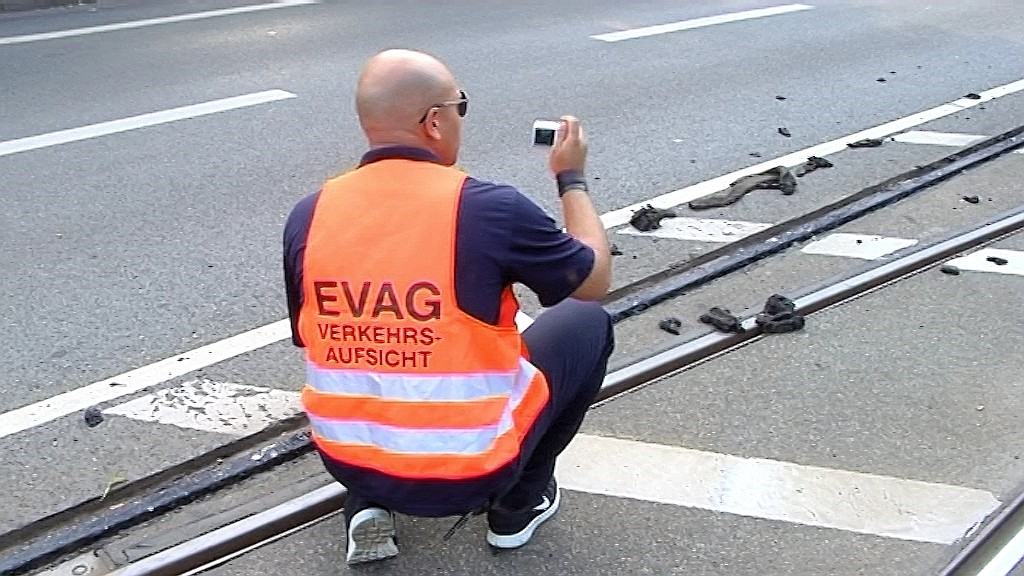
x: 545, y: 132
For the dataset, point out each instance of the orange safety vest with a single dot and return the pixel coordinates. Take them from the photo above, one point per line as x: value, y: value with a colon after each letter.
x: 400, y: 380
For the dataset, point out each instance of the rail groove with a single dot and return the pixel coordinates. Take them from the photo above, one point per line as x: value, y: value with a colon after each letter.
x: 224, y: 543
x: 625, y: 302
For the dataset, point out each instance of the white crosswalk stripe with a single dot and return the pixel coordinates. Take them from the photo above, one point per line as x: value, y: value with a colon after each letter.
x: 220, y: 407
x: 700, y: 230
x: 942, y: 139
x: 993, y: 260
x: 863, y: 246
x: 761, y: 488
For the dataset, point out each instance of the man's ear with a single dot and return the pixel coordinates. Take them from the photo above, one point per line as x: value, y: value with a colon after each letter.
x: 431, y: 129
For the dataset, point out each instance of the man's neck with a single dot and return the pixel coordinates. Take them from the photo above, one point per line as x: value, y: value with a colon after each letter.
x: 392, y: 139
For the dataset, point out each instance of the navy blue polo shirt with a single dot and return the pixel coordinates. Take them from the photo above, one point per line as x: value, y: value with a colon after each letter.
x: 502, y: 238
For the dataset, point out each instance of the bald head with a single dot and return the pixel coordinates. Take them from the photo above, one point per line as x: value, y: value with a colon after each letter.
x: 397, y: 86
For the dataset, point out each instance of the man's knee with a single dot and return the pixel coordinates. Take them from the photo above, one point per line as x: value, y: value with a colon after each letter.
x: 595, y: 317
x: 589, y: 314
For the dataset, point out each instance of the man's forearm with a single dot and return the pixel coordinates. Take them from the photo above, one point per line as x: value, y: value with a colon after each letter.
x: 584, y: 224
x: 568, y: 163
x: 582, y: 221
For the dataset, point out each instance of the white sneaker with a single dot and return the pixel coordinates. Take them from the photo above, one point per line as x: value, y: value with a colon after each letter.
x: 371, y: 536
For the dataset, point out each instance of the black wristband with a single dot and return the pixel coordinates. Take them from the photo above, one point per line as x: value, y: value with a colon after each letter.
x: 571, y: 180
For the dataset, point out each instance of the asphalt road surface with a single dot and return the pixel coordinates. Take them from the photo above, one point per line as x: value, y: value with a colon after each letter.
x: 872, y: 442
x: 128, y: 243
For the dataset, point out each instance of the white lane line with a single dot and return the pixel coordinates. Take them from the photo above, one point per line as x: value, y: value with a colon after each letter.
x: 942, y: 139
x: 81, y: 398
x: 701, y: 229
x: 221, y: 407
x: 774, y: 490
x: 699, y: 23
x: 678, y: 197
x: 152, y: 22
x: 979, y: 261
x: 864, y: 246
x: 141, y: 121
x: 134, y: 380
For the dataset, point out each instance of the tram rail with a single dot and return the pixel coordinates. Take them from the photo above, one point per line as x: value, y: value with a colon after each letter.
x: 624, y: 303
x: 222, y: 544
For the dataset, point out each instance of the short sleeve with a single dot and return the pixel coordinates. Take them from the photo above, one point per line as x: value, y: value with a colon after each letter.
x: 541, y: 256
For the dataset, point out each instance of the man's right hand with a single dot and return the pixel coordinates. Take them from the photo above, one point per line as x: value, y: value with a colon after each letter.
x: 570, y: 150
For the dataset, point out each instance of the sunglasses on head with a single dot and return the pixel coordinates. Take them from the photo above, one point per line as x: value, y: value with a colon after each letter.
x: 462, y: 103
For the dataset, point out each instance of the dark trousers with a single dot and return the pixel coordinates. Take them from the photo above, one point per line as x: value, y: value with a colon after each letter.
x: 570, y: 343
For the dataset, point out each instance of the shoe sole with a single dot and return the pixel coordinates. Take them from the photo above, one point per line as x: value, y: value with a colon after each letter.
x: 521, y: 538
x: 371, y: 536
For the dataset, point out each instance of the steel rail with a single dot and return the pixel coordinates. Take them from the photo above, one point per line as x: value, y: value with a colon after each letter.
x: 220, y: 544
x: 679, y: 278
x: 46, y: 545
x: 214, y: 547
x: 981, y: 558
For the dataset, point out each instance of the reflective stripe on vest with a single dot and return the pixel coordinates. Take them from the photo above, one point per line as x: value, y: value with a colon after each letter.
x: 400, y: 380
x: 400, y: 405
x: 411, y: 386
x: 425, y: 439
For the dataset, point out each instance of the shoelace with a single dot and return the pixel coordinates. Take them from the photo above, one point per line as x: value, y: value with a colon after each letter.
x: 462, y: 522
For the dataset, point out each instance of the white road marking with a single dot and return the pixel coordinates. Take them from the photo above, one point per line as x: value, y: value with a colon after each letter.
x: 1007, y: 559
x: 774, y: 490
x: 942, y: 139
x: 701, y: 230
x: 132, y: 381
x: 864, y: 246
x: 699, y: 22
x: 152, y: 22
x: 938, y: 138
x: 523, y: 321
x: 978, y: 261
x: 141, y: 121
x: 220, y: 407
x: 678, y: 197
x: 63, y: 404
